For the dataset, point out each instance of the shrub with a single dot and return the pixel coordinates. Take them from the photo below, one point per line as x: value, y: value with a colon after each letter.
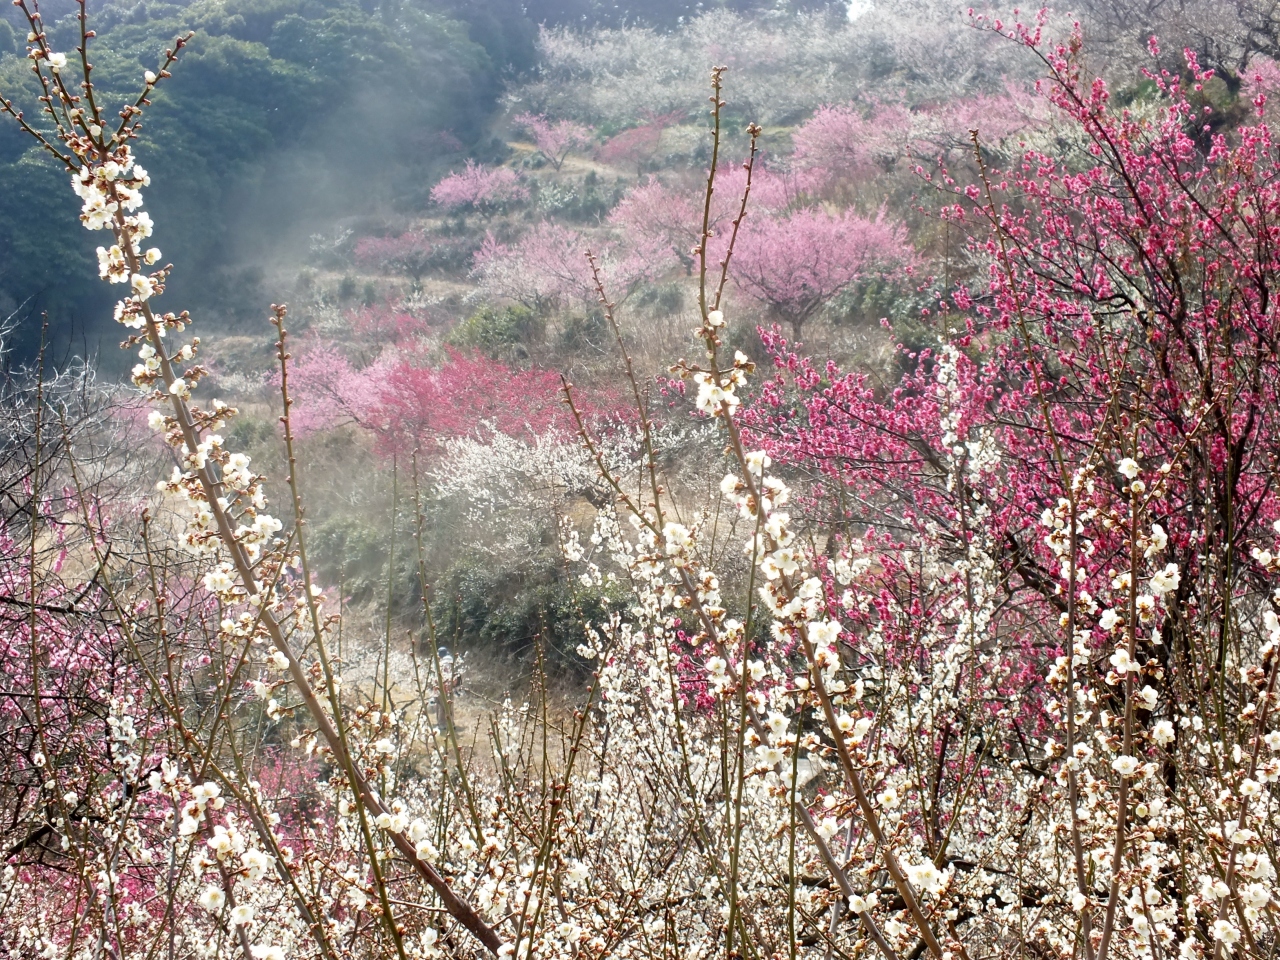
x: 504, y: 333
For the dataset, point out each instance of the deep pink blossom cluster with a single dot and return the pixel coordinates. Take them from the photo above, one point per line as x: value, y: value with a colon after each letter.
x: 411, y: 400
x: 420, y: 405
x: 1126, y: 316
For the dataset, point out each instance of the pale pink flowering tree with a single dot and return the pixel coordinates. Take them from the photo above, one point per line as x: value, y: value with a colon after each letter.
x: 844, y: 145
x: 794, y: 264
x: 1259, y: 83
x: 662, y: 221
x: 329, y: 389
x: 848, y: 144
x: 774, y: 189
x: 547, y: 267
x: 638, y: 144
x: 999, y: 117
x: 660, y: 214
x: 663, y: 214
x: 1263, y: 75
x: 410, y: 254
x: 479, y: 187
x: 555, y: 139
x: 542, y: 268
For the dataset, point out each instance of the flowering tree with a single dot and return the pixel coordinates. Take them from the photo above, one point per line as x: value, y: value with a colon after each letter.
x: 68, y: 675
x: 844, y: 144
x: 410, y: 253
x: 796, y: 263
x: 328, y: 390
x: 547, y: 266
x: 639, y: 143
x: 420, y: 406
x: 662, y: 222
x: 391, y: 322
x: 412, y: 402
x: 555, y: 140
x: 661, y: 214
x: 540, y: 269
x: 1001, y: 118
x: 479, y: 187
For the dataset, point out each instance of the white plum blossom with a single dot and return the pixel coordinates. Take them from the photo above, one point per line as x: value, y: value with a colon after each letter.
x: 1148, y: 696
x: 1122, y: 662
x: 1125, y: 766
x: 1225, y: 933
x: 212, y: 899
x: 1166, y: 580
x: 143, y: 287
x: 714, y: 397
x: 220, y: 580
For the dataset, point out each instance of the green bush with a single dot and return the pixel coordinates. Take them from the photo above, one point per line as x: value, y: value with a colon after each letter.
x: 503, y: 333
x: 586, y: 334
x: 506, y: 609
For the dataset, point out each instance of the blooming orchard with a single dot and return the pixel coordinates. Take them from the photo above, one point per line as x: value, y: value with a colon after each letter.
x: 998, y: 676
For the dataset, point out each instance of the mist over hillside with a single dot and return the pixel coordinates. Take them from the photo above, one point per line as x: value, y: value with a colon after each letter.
x: 308, y: 113
x: 303, y: 112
